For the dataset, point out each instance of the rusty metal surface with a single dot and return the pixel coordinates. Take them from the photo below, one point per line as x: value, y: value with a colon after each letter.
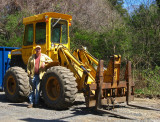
x: 108, y: 101
x: 128, y: 80
x: 109, y: 85
x: 99, y: 81
x: 111, y: 74
x: 106, y: 93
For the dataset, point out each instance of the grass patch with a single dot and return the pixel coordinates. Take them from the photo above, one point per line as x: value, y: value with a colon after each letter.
x: 151, y: 82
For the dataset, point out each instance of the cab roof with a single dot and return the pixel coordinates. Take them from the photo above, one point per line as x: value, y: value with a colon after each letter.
x: 41, y: 17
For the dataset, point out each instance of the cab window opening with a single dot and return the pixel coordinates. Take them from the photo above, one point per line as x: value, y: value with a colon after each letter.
x: 28, y: 35
x: 41, y: 33
x: 59, y: 32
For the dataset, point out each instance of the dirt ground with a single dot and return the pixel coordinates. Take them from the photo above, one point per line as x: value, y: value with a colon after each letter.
x: 141, y: 109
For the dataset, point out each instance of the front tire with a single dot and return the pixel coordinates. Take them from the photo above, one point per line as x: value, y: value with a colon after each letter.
x: 59, y: 87
x: 16, y: 84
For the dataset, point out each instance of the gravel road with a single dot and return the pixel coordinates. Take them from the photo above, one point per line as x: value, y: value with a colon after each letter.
x: 13, y: 112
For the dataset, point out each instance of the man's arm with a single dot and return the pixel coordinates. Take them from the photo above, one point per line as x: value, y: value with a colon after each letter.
x: 46, y: 60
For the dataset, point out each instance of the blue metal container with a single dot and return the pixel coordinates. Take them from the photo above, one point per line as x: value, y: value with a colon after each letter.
x: 4, y: 62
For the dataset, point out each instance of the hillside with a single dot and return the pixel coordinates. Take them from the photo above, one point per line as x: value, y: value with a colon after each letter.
x: 89, y: 14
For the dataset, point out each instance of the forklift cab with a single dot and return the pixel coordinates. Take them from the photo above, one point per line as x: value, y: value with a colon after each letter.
x: 46, y: 30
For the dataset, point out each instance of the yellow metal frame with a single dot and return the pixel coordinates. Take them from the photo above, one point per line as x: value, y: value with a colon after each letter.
x: 27, y: 51
x: 84, y: 71
x: 111, y: 73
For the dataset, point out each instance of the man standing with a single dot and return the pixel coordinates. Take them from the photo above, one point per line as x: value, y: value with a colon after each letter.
x: 35, y: 70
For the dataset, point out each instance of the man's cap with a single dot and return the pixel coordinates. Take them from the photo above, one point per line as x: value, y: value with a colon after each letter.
x: 38, y: 46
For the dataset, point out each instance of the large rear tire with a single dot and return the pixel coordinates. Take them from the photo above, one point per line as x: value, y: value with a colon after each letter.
x: 16, y: 84
x: 59, y: 87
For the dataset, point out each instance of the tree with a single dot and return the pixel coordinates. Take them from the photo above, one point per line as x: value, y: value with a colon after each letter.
x: 145, y: 40
x: 158, y: 3
x: 118, y: 5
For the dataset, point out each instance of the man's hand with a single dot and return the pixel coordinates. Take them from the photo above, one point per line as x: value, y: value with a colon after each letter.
x: 43, y: 65
x: 29, y: 73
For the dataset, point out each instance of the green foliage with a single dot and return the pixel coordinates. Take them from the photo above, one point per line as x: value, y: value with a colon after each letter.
x: 140, y: 91
x: 103, y: 45
x: 85, y: 38
x: 118, y: 5
x: 144, y: 26
x: 145, y: 36
x: 152, y: 80
x: 158, y: 3
x: 14, y: 28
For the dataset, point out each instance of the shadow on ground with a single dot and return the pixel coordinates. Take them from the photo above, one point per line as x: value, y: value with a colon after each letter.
x: 41, y: 120
x: 3, y: 98
x: 145, y: 108
x: 80, y: 111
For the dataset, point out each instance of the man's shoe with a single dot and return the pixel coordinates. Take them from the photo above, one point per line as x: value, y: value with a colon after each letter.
x: 30, y: 106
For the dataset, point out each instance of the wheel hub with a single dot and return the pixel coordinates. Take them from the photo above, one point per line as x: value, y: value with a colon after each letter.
x: 53, y: 88
x: 11, y: 85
